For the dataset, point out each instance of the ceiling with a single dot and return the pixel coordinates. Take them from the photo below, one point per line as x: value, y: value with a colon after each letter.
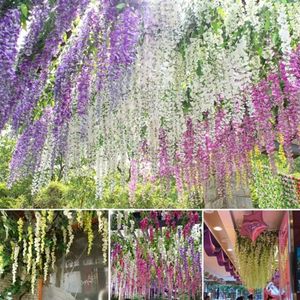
x: 271, y: 218
x: 229, y: 221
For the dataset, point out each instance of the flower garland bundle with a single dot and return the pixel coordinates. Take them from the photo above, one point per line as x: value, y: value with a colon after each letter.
x: 9, y: 31
x: 156, y: 255
x: 103, y: 230
x: 161, y: 89
x: 200, y: 156
x: 201, y: 140
x: 66, y: 52
x: 256, y: 261
x: 33, y: 241
x: 193, y: 150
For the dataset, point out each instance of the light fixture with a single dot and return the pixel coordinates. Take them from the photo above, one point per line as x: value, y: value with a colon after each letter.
x: 229, y: 250
x: 218, y: 228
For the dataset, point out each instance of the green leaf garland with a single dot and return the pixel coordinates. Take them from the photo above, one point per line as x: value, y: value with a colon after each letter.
x: 256, y: 261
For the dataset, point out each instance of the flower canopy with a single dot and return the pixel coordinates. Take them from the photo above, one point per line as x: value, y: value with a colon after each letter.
x: 256, y: 260
x: 156, y: 255
x: 175, y: 91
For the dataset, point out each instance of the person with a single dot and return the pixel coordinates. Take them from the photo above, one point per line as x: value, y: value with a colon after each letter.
x: 250, y: 297
x: 240, y: 298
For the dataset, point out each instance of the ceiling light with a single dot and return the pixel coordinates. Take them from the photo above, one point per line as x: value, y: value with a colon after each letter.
x: 229, y: 250
x: 218, y: 228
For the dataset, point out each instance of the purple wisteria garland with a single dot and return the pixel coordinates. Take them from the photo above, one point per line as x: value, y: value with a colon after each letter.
x: 9, y: 32
x: 127, y: 93
x: 98, y: 49
x: 34, y: 68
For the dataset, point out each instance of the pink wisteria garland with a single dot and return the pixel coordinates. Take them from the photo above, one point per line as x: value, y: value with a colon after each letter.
x: 223, y: 152
x: 156, y: 254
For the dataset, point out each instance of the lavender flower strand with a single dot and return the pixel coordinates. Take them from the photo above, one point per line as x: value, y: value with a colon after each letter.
x: 69, y: 67
x: 26, y: 157
x: 34, y: 73
x: 10, y: 26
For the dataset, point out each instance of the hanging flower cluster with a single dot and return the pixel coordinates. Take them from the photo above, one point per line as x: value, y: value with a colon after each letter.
x: 9, y: 32
x: 256, y: 261
x: 201, y: 156
x: 33, y: 240
x: 170, y: 90
x: 218, y: 100
x: 156, y: 254
x: 103, y: 230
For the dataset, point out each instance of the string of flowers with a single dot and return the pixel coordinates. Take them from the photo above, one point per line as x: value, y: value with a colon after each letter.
x: 9, y: 31
x: 30, y: 247
x: 156, y: 254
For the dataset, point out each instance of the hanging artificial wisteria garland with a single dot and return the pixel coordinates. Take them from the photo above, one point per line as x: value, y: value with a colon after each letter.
x: 32, y: 241
x: 256, y: 261
x: 180, y: 90
x: 156, y: 254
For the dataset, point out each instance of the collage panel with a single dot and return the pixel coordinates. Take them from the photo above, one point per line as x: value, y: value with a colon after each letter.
x: 251, y: 254
x: 182, y: 104
x: 156, y: 255
x: 149, y: 149
x: 54, y: 255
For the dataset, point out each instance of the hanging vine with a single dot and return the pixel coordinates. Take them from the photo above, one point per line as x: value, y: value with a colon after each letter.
x: 256, y: 261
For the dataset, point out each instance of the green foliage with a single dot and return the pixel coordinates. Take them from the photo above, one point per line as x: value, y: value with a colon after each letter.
x: 78, y: 192
x: 6, y: 149
x: 268, y: 189
x: 52, y: 196
x: 81, y: 192
x: 18, y: 288
x: 4, y: 191
x: 8, y: 4
x: 148, y: 195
